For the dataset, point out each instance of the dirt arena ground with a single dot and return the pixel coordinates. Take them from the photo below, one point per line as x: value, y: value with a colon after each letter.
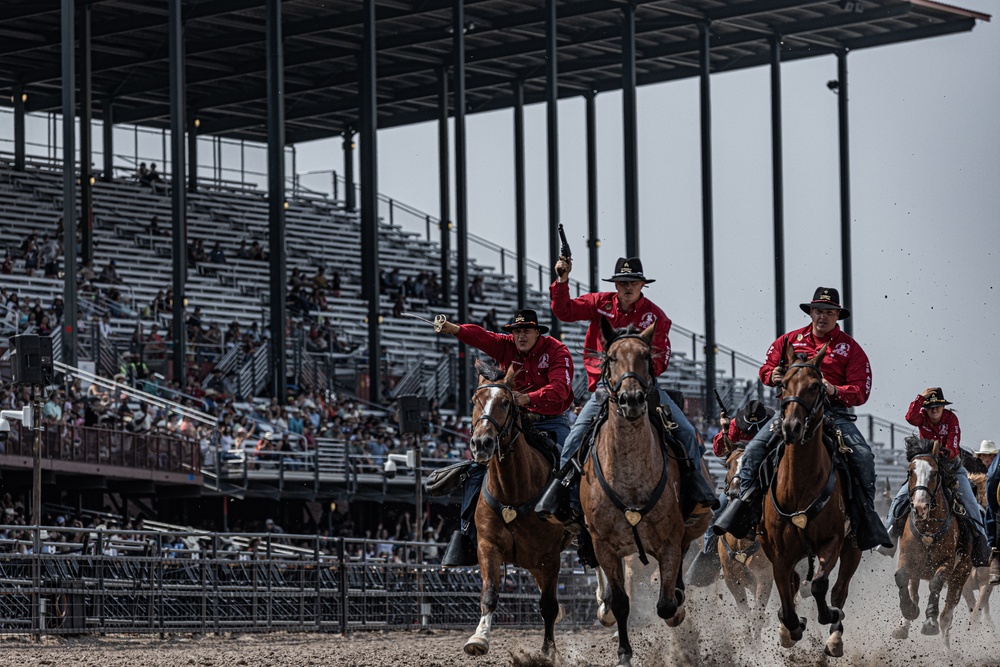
x: 709, y: 636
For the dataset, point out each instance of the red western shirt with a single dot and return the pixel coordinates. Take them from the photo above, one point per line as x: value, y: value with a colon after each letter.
x: 735, y: 436
x: 545, y: 372
x: 946, y: 431
x: 596, y: 305
x: 845, y: 365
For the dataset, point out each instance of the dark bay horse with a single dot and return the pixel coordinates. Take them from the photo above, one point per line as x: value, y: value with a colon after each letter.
x: 509, y: 531
x: 745, y: 566
x: 977, y: 588
x: 930, y: 547
x: 806, y: 515
x: 629, y: 488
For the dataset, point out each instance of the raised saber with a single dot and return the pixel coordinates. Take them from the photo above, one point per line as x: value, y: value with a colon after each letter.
x: 414, y: 316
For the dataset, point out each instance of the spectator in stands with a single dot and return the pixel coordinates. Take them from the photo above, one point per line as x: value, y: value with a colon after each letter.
x: 476, y: 292
x: 51, y: 249
x: 420, y: 286
x: 319, y: 279
x: 87, y: 273
x: 52, y: 411
x: 117, y: 305
x: 490, y: 322
x: 56, y: 311
x: 142, y: 174
x: 155, y: 347
x: 217, y: 256
x: 409, y: 287
x: 45, y: 327
x: 256, y: 252
x: 154, y: 178
x: 8, y: 265
x: 335, y: 284
x: 196, y: 252
x: 243, y: 252
x: 110, y: 273
x: 31, y: 258
x: 296, y: 279
x: 399, y: 306
x: 104, y: 327
x: 433, y: 291
x: 317, y: 300
x: 155, y: 229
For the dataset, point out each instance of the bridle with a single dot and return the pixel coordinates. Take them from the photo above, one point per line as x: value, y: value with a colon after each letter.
x: 509, y: 425
x: 814, y: 410
x: 615, y: 387
x: 921, y: 487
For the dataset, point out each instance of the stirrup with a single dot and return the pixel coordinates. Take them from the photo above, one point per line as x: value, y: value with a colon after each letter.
x: 551, y: 501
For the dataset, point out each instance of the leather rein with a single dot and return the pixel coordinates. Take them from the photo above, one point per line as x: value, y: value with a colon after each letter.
x: 929, y: 539
x: 809, y: 429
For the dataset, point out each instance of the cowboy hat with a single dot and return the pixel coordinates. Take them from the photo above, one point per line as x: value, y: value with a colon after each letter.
x: 752, y: 416
x: 987, y: 447
x: 628, y: 269
x: 826, y: 298
x: 525, y: 318
x: 936, y: 399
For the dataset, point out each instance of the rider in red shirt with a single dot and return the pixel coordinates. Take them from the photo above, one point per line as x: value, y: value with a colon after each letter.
x: 543, y: 385
x: 847, y: 378
x: 934, y: 422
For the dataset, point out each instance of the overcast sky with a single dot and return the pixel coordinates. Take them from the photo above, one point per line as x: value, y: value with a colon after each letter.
x: 925, y: 174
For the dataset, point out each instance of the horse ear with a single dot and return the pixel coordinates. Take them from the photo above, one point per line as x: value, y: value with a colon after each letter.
x: 818, y: 359
x: 936, y: 448
x: 647, y: 334
x: 479, y: 367
x: 789, y: 355
x: 608, y: 331
x: 508, y: 379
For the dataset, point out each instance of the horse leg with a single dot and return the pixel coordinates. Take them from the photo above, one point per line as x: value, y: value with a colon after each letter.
x: 671, y: 608
x: 735, y: 583
x: 969, y: 594
x: 604, y: 613
x: 907, y: 605
x: 792, y: 625
x: 489, y: 565
x: 955, y: 584
x: 764, y: 582
x: 547, y: 580
x: 930, y: 626
x: 850, y: 558
x: 619, y: 605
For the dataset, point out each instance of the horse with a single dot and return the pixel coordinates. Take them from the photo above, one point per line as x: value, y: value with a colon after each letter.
x: 509, y: 531
x: 806, y: 515
x: 930, y: 547
x: 629, y: 489
x: 744, y: 566
x: 977, y: 589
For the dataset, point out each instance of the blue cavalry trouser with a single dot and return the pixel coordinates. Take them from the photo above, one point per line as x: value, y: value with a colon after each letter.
x: 965, y: 495
x: 555, y: 425
x: 860, y: 458
x: 992, y: 505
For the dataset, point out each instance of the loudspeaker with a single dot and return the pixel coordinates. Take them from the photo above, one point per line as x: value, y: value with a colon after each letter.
x: 31, y: 360
x: 414, y: 412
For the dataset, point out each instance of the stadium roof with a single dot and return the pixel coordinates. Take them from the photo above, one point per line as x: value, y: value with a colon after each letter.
x: 505, y: 41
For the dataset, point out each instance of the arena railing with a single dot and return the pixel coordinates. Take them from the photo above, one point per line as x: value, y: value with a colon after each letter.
x: 71, y: 581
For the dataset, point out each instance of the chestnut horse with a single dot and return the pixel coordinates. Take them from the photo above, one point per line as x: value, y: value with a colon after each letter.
x: 930, y: 548
x: 629, y: 488
x: 509, y: 531
x: 744, y: 566
x: 977, y: 589
x: 806, y: 515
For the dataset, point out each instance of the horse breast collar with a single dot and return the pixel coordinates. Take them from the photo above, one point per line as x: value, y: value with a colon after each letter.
x: 509, y: 512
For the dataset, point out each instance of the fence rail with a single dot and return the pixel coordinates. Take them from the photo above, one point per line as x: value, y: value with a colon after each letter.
x: 137, y: 582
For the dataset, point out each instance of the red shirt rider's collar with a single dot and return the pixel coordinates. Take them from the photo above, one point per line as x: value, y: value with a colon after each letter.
x: 833, y: 332
x: 618, y: 308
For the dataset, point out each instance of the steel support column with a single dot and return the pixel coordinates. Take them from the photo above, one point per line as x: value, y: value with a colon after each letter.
x: 520, y: 206
x: 369, y: 199
x: 69, y: 338
x: 108, y: 138
x: 777, y: 188
x: 845, y: 188
x: 552, y: 137
x: 350, y: 194
x: 178, y: 197
x: 192, y: 152
x: 86, y: 134
x: 276, y: 196
x: 444, y: 186
x: 705, y: 66
x: 630, y: 133
x: 461, y: 211
x: 20, y: 145
x: 593, y: 241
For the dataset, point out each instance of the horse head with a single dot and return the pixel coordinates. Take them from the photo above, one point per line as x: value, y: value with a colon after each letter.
x: 734, y: 467
x: 921, y: 473
x: 803, y: 397
x: 494, y: 413
x: 627, y: 368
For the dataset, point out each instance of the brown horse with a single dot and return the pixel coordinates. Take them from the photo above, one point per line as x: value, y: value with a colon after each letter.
x: 930, y: 549
x: 629, y: 489
x: 509, y: 531
x: 744, y: 566
x: 806, y: 515
x: 977, y: 588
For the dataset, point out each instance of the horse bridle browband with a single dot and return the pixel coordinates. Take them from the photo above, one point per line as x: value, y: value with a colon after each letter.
x: 929, y: 539
x: 613, y: 389
x: 921, y: 487
x: 809, y: 428
x: 509, y: 424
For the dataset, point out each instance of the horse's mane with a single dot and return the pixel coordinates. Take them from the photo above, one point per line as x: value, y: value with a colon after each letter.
x: 917, y: 447
x: 978, y: 482
x: 489, y: 370
x: 630, y: 330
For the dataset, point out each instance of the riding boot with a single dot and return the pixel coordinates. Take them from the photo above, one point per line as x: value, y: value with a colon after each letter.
x: 871, y: 533
x: 461, y: 551
x: 740, y: 516
x: 995, y: 568
x: 981, y: 553
x: 895, y: 531
x: 704, y: 568
x: 552, y: 506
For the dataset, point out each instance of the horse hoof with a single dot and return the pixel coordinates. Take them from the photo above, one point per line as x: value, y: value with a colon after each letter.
x: 930, y: 627
x: 625, y: 661
x: 797, y: 633
x: 477, y: 645
x: 677, y: 618
x: 605, y: 615
x: 835, y: 646
x: 910, y: 611
x: 902, y: 631
x: 785, y: 637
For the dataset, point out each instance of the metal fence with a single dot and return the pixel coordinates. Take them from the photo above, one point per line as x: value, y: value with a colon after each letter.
x: 140, y: 582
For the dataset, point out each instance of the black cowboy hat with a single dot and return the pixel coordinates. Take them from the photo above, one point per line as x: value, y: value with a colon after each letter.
x: 936, y: 399
x: 525, y: 319
x: 628, y: 269
x: 826, y: 298
x: 752, y: 416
